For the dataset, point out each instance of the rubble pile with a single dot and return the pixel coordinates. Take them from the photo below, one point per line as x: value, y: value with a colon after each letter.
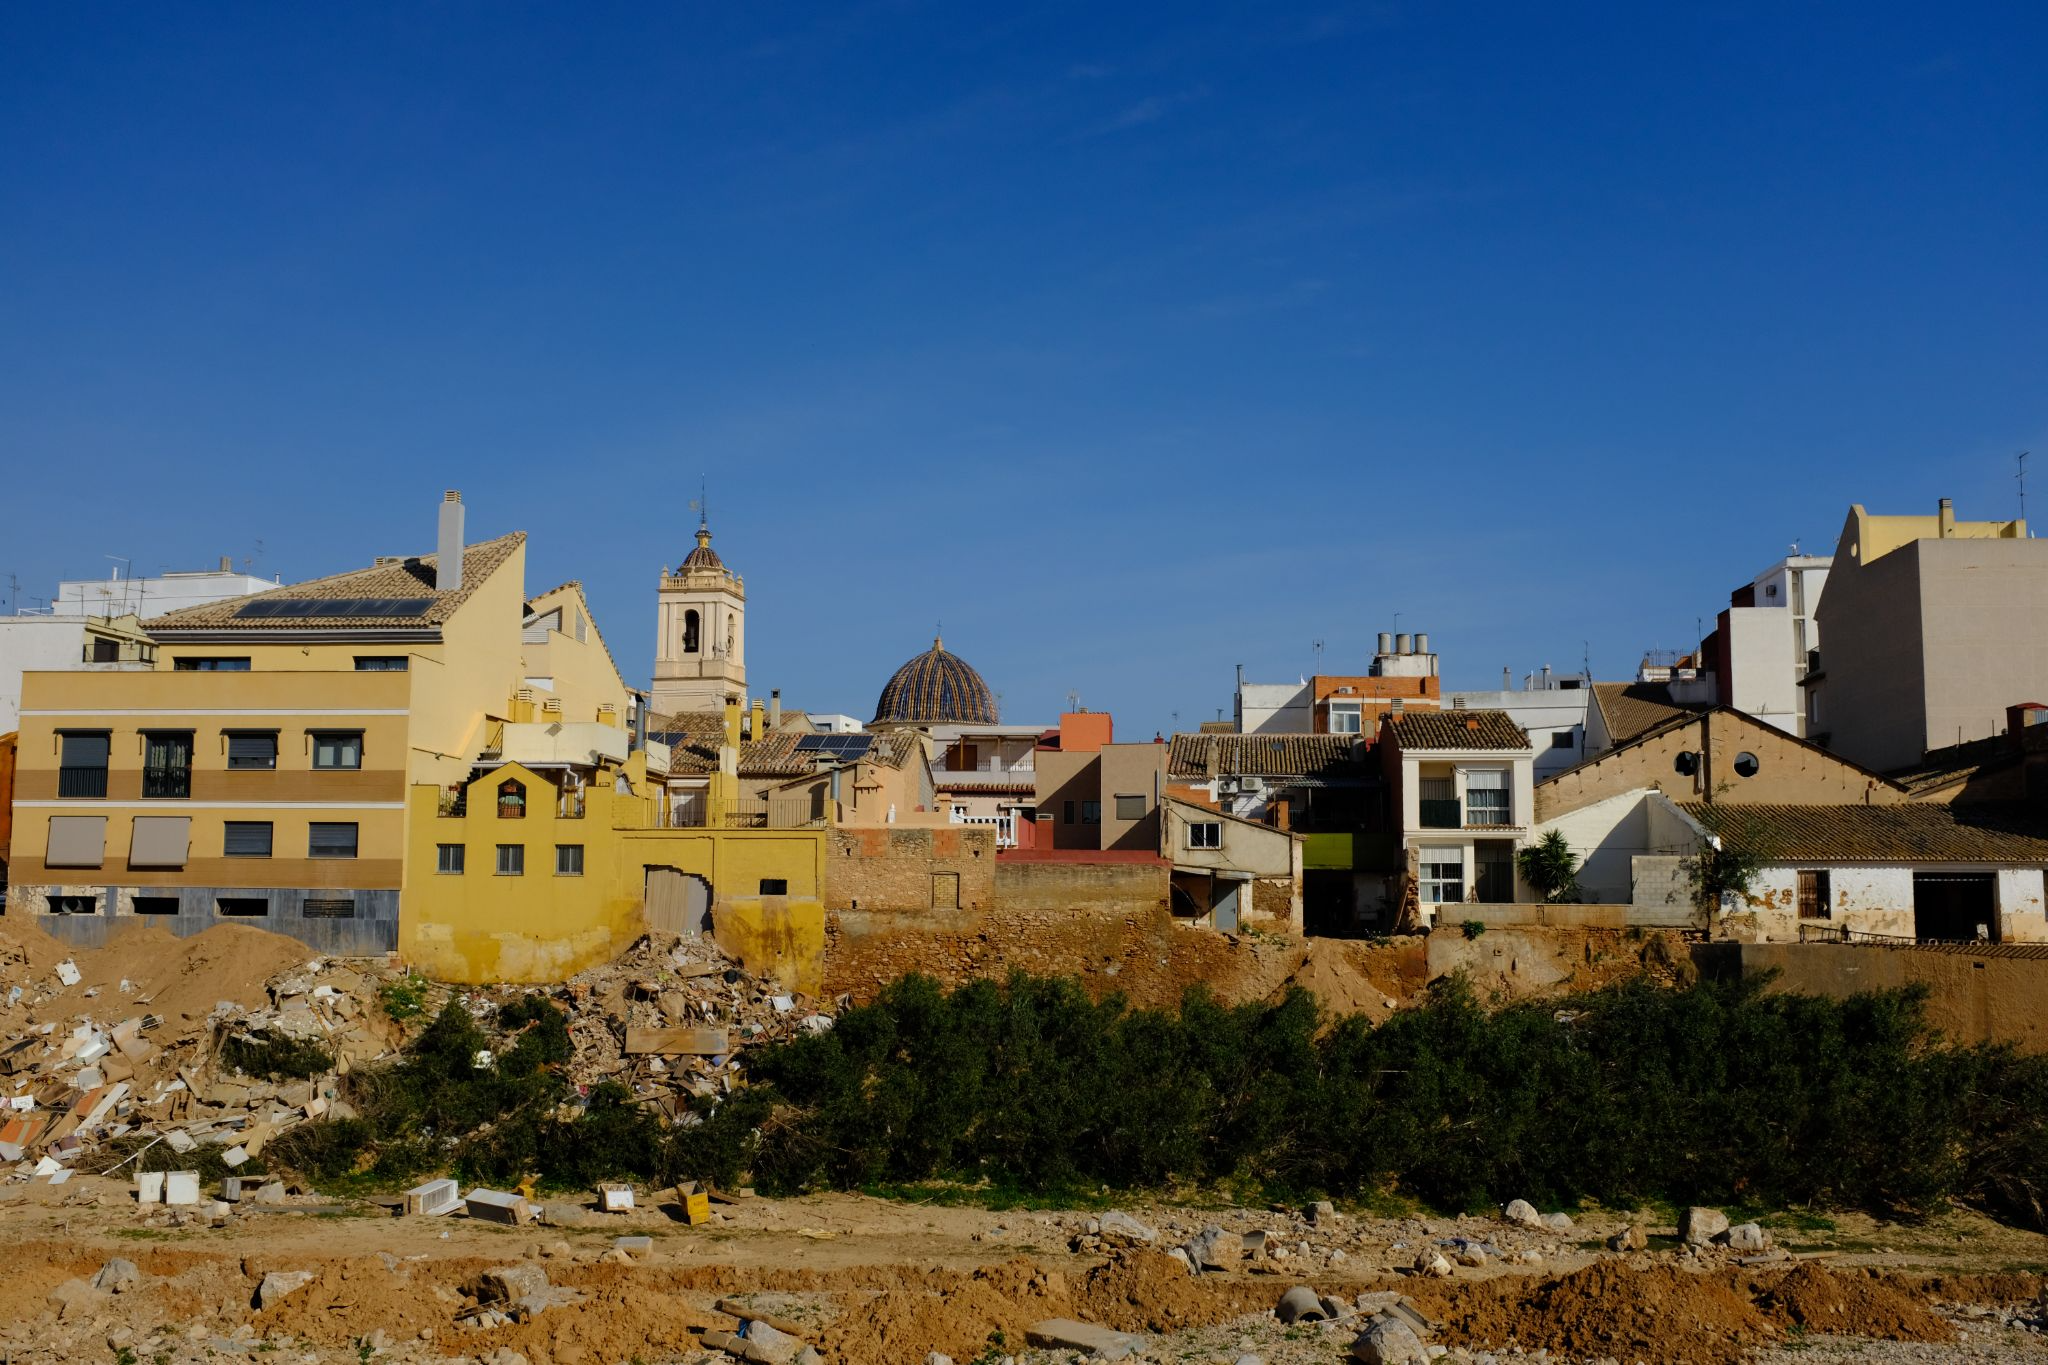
x: 111, y: 1063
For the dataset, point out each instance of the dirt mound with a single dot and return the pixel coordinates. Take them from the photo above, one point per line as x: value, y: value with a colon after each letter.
x: 1854, y: 1303
x: 1358, y: 978
x: 1607, y: 1309
x: 1149, y: 1291
x: 952, y: 1313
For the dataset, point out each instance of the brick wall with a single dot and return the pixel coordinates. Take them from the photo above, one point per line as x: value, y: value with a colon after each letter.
x: 1068, y: 885
x: 893, y: 867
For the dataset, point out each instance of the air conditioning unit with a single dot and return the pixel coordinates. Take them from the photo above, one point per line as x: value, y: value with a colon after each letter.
x: 1457, y: 703
x: 552, y: 706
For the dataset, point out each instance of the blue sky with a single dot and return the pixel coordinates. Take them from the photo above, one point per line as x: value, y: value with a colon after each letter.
x: 1131, y: 342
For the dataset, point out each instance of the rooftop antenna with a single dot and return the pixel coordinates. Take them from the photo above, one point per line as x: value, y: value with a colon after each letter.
x: 13, y: 595
x: 2021, y: 459
x: 1176, y: 722
x: 1586, y: 660
x: 1073, y: 699
x: 701, y: 504
x: 1319, y: 656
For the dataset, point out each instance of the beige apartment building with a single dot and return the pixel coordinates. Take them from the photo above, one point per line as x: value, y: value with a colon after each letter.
x: 1932, y: 627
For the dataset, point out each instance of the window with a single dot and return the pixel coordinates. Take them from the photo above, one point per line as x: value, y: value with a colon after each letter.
x: 382, y: 663
x: 188, y: 664
x: 511, y: 860
x: 1205, y: 834
x: 1560, y: 739
x: 1746, y: 764
x: 774, y: 886
x: 155, y: 905
x: 328, y: 907
x: 159, y: 840
x: 1443, y: 876
x: 338, y: 749
x: 74, y: 905
x: 568, y: 860
x: 1091, y: 812
x: 255, y: 906
x: 76, y: 841
x: 1346, y: 717
x: 1486, y: 797
x: 690, y: 631
x: 1816, y: 895
x: 945, y: 890
x: 1130, y: 808
x: 252, y: 749
x: 105, y: 651
x: 245, y: 839
x: 448, y: 858
x: 330, y: 839
x: 82, y: 763
x: 1067, y: 813
x: 511, y: 800
x: 166, y: 764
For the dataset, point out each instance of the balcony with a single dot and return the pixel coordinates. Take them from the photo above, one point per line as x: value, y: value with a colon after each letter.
x: 1005, y: 825
x: 1442, y: 813
x: 696, y: 811
x: 82, y: 782
x: 166, y: 784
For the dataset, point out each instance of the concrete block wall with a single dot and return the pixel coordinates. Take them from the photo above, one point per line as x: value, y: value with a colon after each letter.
x: 904, y: 868
x: 370, y: 932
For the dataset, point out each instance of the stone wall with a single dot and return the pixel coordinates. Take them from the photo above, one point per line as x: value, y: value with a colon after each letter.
x: 1987, y: 994
x: 1073, y: 885
x: 899, y: 868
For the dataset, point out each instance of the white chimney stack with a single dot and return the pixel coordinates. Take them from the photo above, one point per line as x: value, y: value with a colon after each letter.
x: 448, y: 561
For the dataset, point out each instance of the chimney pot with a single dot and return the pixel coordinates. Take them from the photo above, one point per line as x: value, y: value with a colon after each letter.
x: 1386, y: 642
x: 226, y: 564
x: 1404, y: 643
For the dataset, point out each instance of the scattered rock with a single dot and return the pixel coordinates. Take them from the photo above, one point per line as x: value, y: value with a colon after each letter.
x: 1746, y: 1239
x: 1064, y: 1334
x: 766, y: 1344
x: 1523, y: 1212
x: 1120, y: 1229
x: 1432, y: 1264
x: 1212, y: 1248
x: 1321, y: 1212
x: 1699, y: 1226
x: 1558, y: 1222
x: 279, y: 1283
x: 1631, y: 1238
x: 117, y: 1275
x: 509, y: 1283
x: 1389, y: 1342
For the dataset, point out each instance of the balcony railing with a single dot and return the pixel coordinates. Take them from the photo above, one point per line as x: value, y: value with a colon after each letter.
x: 82, y: 781
x: 166, y: 783
x: 751, y: 812
x: 1006, y: 826
x: 1442, y: 814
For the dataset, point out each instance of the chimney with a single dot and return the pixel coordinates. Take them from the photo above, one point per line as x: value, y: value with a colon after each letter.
x: 1546, y: 677
x: 732, y: 721
x: 1422, y: 644
x: 1507, y: 680
x: 775, y: 708
x: 1947, y: 519
x: 226, y: 564
x: 1386, y: 642
x: 1404, y: 643
x: 448, y: 550
x: 1394, y: 707
x: 760, y: 721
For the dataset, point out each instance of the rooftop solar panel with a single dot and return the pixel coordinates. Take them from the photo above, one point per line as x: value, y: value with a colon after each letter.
x: 312, y: 608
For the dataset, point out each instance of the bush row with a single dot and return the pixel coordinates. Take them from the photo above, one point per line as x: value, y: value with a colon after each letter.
x: 1717, y: 1092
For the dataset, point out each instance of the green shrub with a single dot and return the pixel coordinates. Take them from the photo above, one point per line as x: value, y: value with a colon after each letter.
x: 404, y: 999
x: 276, y: 1058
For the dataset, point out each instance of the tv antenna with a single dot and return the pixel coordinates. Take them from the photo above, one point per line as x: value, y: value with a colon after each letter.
x: 2021, y: 460
x: 1073, y: 699
x: 1319, y: 656
x: 13, y: 595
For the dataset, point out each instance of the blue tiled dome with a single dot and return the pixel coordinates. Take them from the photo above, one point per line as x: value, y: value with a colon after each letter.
x: 703, y: 557
x: 936, y: 688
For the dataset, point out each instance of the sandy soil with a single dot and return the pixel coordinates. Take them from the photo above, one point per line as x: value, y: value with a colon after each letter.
x: 873, y: 1281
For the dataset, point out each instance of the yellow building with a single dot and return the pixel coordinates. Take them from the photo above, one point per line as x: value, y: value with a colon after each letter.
x: 299, y: 759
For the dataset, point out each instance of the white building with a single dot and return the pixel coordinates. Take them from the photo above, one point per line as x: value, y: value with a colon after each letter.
x: 1552, y: 709
x: 45, y: 643
x: 148, y: 598
x: 1466, y: 796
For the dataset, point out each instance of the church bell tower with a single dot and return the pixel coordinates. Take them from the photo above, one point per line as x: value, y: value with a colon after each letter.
x: 700, y: 650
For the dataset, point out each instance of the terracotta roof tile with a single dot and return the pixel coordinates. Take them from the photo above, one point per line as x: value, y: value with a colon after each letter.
x: 1912, y: 832
x: 1207, y: 755
x: 1456, y: 729
x: 695, y: 737
x: 402, y: 579
x: 1632, y: 709
x: 1939, y: 767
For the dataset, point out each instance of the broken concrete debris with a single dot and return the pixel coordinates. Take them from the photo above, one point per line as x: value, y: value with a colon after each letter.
x: 85, y: 1060
x: 1064, y: 1334
x: 278, y: 1283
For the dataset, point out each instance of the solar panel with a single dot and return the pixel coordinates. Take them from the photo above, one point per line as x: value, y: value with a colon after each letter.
x: 835, y: 746
x: 312, y: 608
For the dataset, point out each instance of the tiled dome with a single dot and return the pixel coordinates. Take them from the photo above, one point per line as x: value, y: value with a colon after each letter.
x: 936, y: 688
x: 703, y: 557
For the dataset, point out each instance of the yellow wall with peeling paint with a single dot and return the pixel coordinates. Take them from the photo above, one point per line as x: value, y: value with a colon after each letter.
x: 540, y: 925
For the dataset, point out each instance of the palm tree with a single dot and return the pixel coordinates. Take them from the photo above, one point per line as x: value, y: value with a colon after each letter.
x: 1550, y: 866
